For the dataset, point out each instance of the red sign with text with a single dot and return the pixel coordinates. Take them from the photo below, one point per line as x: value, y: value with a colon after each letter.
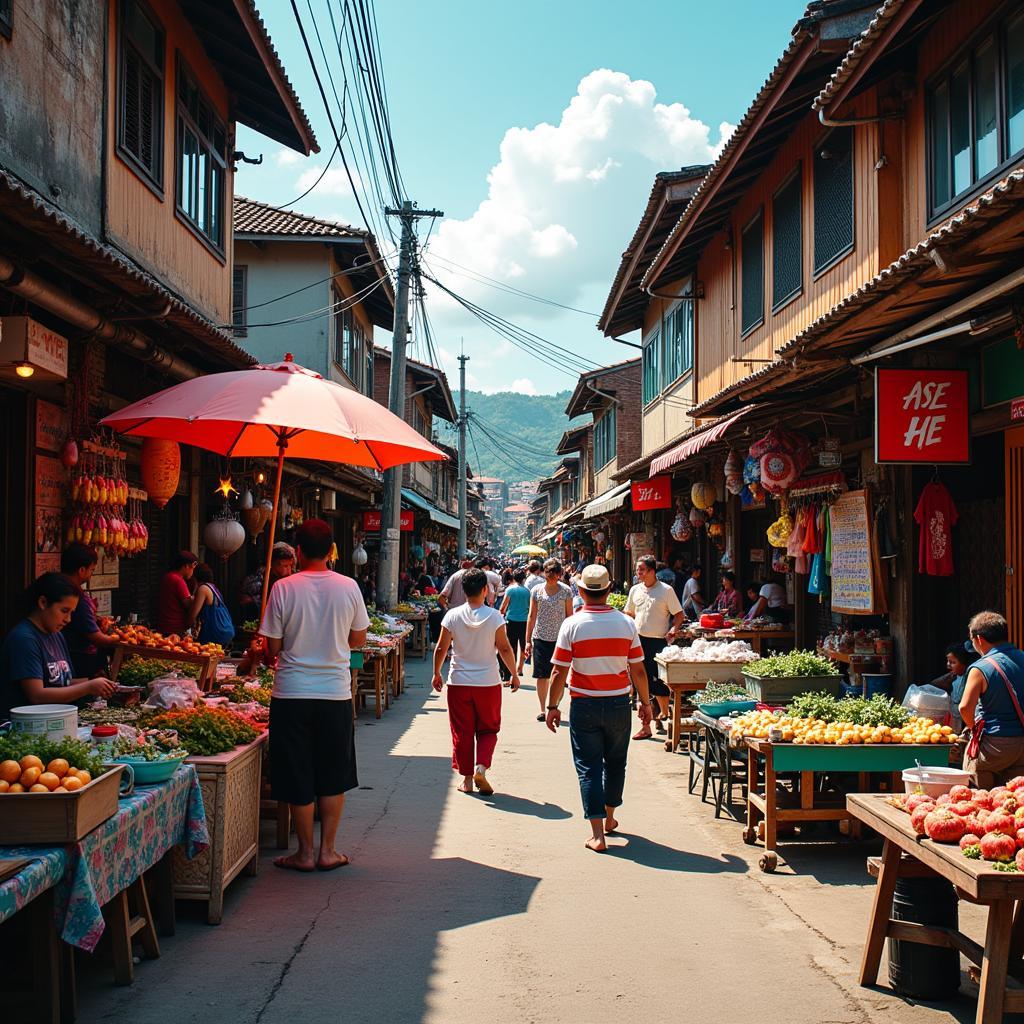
x: 922, y: 416
x: 652, y: 494
x: 371, y: 521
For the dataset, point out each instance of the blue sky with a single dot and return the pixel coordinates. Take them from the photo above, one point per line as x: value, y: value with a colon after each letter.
x: 537, y: 127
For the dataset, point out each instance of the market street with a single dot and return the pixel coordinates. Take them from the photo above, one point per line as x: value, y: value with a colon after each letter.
x: 465, y: 909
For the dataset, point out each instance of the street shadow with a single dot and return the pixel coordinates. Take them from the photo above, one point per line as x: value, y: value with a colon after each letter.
x: 650, y: 854
x: 521, y: 805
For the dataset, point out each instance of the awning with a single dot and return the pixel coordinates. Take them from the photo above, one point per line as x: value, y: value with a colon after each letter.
x: 436, y: 515
x: 550, y: 535
x: 608, y: 502
x: 695, y: 443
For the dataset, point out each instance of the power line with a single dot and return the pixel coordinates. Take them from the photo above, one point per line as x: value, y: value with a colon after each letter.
x: 315, y: 314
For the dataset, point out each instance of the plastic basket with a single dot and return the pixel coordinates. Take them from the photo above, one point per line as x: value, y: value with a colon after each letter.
x: 726, y: 707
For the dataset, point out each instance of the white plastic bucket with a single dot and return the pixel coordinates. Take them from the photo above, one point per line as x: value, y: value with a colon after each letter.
x: 934, y: 781
x: 54, y: 721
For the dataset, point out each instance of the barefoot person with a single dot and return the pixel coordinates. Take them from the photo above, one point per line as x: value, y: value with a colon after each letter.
x: 599, y: 650
x: 313, y: 620
x: 474, y: 631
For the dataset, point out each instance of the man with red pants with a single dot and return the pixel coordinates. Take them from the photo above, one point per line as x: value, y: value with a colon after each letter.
x: 474, y: 631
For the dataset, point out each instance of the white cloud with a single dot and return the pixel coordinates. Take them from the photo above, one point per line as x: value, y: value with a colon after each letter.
x: 288, y: 158
x: 564, y: 199
x: 524, y: 386
x: 335, y: 181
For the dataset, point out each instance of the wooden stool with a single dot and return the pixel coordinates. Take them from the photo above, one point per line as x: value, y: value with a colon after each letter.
x: 128, y: 914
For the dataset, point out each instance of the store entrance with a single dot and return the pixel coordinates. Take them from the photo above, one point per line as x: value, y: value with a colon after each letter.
x: 14, y: 501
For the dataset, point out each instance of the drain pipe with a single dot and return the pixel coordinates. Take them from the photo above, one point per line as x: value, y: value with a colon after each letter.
x: 42, y: 293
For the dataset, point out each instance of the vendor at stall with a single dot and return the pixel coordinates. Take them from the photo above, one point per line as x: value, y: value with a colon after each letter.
x: 87, y: 643
x: 959, y: 659
x: 282, y: 564
x: 770, y: 602
x: 35, y: 664
x: 693, y: 600
x: 174, y: 601
x: 992, y: 703
x: 728, y: 601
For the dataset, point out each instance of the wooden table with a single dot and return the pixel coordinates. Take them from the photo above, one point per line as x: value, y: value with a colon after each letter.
x: 803, y: 762
x: 375, y: 665
x: 675, y: 729
x: 207, y: 662
x: 1002, y: 968
x: 758, y: 638
x: 418, y: 639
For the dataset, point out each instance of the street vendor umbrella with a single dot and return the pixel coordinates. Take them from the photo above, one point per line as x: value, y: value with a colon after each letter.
x: 274, y: 409
x: 530, y: 549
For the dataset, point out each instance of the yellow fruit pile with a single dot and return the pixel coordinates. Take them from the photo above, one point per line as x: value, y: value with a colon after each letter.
x: 841, y: 734
x: 30, y: 775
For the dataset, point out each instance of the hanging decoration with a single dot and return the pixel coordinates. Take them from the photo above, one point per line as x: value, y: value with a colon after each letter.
x: 161, y: 467
x: 255, y: 519
x: 246, y: 501
x: 733, y: 472
x: 225, y: 488
x: 224, y: 534
x: 703, y: 494
x: 778, y: 472
x: 697, y: 518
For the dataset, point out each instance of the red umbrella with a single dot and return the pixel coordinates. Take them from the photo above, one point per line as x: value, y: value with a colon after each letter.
x: 273, y: 409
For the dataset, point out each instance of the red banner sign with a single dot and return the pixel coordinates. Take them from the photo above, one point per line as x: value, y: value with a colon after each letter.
x: 1017, y: 410
x: 922, y: 416
x: 371, y: 521
x: 651, y: 494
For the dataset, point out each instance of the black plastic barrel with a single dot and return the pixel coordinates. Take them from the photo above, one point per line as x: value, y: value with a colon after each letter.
x: 915, y: 970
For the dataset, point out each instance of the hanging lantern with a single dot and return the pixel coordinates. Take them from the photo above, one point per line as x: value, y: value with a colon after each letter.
x: 69, y: 453
x: 225, y: 488
x: 246, y: 501
x: 703, y: 494
x: 254, y: 520
x: 161, y: 467
x: 697, y: 517
x: 359, y: 555
x: 224, y: 535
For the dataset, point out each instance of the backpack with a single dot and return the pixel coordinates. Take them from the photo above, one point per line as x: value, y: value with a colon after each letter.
x: 217, y: 627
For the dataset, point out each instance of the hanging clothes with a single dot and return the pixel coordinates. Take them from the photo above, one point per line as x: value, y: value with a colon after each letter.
x: 828, y: 539
x: 936, y: 515
x: 818, y: 582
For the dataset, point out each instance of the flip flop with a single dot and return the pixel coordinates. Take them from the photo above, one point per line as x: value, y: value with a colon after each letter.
x: 343, y: 863
x: 542, y: 718
x: 282, y: 862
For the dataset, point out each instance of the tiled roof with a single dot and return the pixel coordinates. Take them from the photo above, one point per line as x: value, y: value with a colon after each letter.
x: 255, y: 218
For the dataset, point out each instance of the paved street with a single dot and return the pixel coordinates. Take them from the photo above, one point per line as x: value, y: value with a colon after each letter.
x: 465, y: 909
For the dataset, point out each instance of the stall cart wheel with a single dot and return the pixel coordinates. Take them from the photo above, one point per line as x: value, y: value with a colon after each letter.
x: 768, y: 862
x: 750, y: 836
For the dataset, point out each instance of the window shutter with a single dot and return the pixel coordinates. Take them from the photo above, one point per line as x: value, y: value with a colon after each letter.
x: 239, y: 314
x: 753, y: 274
x: 131, y: 113
x: 787, y: 247
x: 833, y: 198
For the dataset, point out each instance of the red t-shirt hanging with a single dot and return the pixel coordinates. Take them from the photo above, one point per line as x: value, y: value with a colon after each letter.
x: 936, y: 515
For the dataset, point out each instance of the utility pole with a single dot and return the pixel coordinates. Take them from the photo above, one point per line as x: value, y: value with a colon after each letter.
x: 463, y: 359
x: 391, y: 499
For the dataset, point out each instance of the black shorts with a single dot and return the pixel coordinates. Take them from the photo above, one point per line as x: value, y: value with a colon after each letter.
x: 543, y: 651
x: 651, y: 646
x: 312, y: 749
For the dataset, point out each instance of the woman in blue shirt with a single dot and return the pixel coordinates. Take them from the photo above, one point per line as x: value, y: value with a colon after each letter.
x: 35, y: 664
x: 516, y: 609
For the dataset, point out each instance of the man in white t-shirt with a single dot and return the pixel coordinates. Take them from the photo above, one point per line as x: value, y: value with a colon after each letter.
x: 693, y: 600
x: 313, y: 620
x: 494, y: 587
x: 474, y: 631
x: 452, y: 595
x: 771, y: 602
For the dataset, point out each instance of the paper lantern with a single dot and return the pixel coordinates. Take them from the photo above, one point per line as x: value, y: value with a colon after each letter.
x: 224, y: 535
x: 161, y: 467
x: 359, y: 556
x: 703, y: 494
x: 254, y: 520
x: 778, y: 472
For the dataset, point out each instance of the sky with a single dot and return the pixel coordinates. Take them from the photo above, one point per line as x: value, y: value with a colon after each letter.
x: 537, y: 127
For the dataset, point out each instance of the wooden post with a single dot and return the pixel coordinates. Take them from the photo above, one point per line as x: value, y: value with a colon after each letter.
x: 282, y: 444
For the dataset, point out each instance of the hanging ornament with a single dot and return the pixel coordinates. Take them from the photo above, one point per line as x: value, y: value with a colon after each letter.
x: 703, y: 494
x: 246, y: 501
x: 697, y: 518
x: 69, y: 453
x: 778, y: 472
x: 254, y: 520
x: 224, y: 534
x: 225, y: 488
x: 733, y: 472
x: 161, y: 467
x: 359, y: 555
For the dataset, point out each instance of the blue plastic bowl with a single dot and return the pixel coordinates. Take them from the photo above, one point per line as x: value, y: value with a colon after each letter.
x: 727, y: 707
x: 149, y: 773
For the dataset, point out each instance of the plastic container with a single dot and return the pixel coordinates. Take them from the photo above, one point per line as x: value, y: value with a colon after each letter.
x: 148, y: 773
x: 104, y: 736
x: 850, y: 690
x: 726, y: 707
x: 917, y: 971
x: 712, y: 620
x: 934, y: 781
x: 875, y: 683
x: 54, y: 721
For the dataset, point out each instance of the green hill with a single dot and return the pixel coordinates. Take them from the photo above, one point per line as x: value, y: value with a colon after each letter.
x: 512, y: 436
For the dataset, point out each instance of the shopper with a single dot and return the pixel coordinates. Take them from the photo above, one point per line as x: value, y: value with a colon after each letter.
x: 87, y: 643
x: 515, y: 607
x: 659, y: 617
x: 959, y: 658
x: 693, y: 600
x: 728, y: 601
x: 534, y: 575
x: 209, y: 613
x: 282, y: 564
x: 174, y: 598
x: 314, y: 619
x: 452, y: 594
x: 599, y: 651
x: 770, y: 602
x: 474, y: 632
x: 494, y: 587
x: 550, y: 606
x: 35, y: 664
x: 993, y: 703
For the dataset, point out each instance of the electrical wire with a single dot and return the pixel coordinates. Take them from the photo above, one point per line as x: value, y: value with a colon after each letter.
x: 337, y: 307
x: 489, y: 428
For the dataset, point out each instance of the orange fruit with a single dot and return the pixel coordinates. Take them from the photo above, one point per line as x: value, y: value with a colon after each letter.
x: 30, y: 776
x: 16, y: 787
x: 84, y: 777
x: 59, y: 789
x: 30, y: 761
x: 72, y: 783
x: 49, y: 780
x: 59, y: 767
x: 4, y: 785
x: 38, y: 788
x: 10, y: 771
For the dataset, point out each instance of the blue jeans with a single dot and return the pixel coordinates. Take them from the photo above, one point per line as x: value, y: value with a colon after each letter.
x: 599, y: 734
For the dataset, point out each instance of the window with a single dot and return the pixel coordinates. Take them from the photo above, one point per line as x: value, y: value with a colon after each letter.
x: 239, y: 291
x: 651, y: 371
x: 678, y: 338
x: 6, y: 25
x: 976, y: 115
x: 787, y: 245
x: 202, y: 160
x: 752, y: 283
x: 833, y: 198
x: 140, y: 110
x: 604, y: 438
x: 419, y: 423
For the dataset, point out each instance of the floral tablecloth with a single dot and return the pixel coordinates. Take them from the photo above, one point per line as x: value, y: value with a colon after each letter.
x: 91, y: 872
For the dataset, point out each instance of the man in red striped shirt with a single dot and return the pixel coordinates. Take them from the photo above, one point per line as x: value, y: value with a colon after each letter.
x: 599, y: 650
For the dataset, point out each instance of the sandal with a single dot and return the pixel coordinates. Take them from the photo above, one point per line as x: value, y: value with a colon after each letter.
x: 542, y: 717
x: 643, y: 734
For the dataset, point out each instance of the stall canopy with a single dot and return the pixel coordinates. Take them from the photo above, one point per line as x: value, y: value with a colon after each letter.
x: 550, y: 535
x: 608, y: 502
x: 436, y: 515
x: 694, y: 443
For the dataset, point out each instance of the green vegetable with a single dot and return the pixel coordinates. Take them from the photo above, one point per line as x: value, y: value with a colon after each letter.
x: 149, y: 750
x: 15, y: 745
x: 206, y: 731
x: 972, y: 852
x: 1003, y: 865
x: 717, y: 693
x: 617, y: 601
x: 250, y: 625
x: 877, y: 711
x: 142, y: 671
x: 795, y: 663
x: 242, y: 695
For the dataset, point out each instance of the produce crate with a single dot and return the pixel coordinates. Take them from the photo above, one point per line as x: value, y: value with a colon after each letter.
x: 207, y: 662
x: 782, y: 689
x: 50, y: 818
x: 863, y: 757
x: 697, y: 673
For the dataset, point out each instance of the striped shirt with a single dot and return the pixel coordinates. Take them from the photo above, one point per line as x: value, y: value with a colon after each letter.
x: 598, y: 643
